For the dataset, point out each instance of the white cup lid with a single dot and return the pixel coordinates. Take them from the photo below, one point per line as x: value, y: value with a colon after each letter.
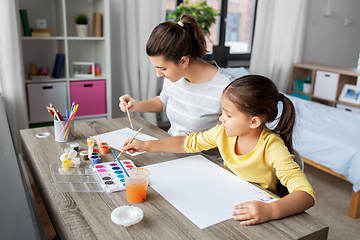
x: 126, y: 215
x: 72, y: 154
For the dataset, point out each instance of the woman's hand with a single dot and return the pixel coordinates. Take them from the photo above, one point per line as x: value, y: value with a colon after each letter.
x: 127, y: 102
x: 252, y: 212
x: 134, y: 146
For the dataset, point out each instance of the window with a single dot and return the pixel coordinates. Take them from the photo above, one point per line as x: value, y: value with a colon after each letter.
x: 238, y: 30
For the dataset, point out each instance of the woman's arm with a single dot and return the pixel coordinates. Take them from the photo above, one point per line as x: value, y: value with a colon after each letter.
x: 153, y: 105
x: 255, y: 212
x: 168, y: 145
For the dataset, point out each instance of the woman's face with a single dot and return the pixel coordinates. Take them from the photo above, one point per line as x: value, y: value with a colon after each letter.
x: 174, y: 72
x: 235, y: 122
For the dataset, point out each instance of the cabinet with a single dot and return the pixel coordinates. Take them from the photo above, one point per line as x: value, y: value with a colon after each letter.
x: 59, y: 16
x: 41, y: 94
x: 327, y: 83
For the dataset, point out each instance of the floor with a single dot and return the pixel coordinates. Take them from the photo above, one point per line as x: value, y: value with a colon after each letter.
x: 331, y: 208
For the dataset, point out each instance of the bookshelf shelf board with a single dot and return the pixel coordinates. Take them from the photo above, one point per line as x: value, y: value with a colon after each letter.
x: 86, y: 38
x: 43, y: 38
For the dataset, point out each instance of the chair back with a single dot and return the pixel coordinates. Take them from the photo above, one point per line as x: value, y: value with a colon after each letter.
x: 298, y: 159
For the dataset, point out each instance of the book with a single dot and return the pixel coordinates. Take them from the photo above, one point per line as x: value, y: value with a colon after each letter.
x: 39, y: 77
x: 97, y: 24
x: 40, y: 34
x: 42, y: 30
x: 59, y: 62
x: 25, y: 22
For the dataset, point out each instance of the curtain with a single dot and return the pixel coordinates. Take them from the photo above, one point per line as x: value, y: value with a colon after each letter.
x: 12, y: 85
x: 132, y: 72
x: 278, y: 39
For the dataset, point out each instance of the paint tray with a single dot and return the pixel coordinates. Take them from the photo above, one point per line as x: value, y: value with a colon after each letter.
x: 82, y: 179
x: 111, y: 174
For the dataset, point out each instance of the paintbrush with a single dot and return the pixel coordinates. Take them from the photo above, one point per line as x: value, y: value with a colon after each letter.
x: 132, y: 139
x: 127, y: 110
x: 116, y: 158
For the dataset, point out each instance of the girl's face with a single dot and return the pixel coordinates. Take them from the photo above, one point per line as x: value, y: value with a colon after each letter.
x: 174, y: 72
x: 235, y: 122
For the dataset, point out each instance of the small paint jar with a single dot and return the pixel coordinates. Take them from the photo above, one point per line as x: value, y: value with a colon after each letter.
x: 68, y: 149
x: 105, y: 149
x: 84, y: 155
x: 66, y: 164
x: 75, y: 146
x: 94, y: 159
x: 90, y: 141
x: 76, y: 162
x: 103, y: 144
x: 96, y: 151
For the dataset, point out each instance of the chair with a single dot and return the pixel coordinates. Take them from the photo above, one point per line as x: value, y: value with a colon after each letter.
x: 298, y: 159
x: 281, y: 190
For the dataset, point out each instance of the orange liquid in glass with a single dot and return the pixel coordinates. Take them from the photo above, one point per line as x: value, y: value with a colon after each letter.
x: 136, y: 193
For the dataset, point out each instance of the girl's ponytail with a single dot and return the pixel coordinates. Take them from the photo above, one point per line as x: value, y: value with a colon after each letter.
x: 286, y: 122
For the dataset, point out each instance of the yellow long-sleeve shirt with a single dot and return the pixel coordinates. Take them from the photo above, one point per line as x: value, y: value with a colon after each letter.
x: 269, y: 161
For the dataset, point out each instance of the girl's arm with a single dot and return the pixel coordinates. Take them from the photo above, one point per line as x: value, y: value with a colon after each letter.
x: 168, y: 145
x: 255, y: 212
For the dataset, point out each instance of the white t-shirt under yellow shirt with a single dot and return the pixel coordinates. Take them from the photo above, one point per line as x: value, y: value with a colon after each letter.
x: 269, y: 161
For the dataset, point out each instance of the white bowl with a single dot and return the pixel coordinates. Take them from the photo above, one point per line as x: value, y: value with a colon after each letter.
x: 127, y: 215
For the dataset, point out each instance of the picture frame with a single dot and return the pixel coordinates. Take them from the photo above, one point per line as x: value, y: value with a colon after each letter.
x: 350, y: 94
x: 82, y: 69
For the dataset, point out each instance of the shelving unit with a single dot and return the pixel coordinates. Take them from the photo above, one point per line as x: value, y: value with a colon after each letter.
x: 59, y: 15
x: 345, y: 76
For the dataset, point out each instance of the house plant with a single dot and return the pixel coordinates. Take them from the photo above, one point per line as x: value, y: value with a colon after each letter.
x: 82, y: 27
x: 203, y: 14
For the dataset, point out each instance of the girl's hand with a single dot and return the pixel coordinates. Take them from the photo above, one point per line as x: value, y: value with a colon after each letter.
x: 127, y: 102
x: 133, y: 147
x: 252, y: 212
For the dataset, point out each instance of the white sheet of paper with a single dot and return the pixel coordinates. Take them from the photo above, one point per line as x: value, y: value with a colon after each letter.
x: 201, y: 190
x: 115, y: 139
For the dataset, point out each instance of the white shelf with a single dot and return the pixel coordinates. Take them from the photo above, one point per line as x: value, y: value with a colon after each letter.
x: 59, y: 15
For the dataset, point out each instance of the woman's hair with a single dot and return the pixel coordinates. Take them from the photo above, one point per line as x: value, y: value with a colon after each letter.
x: 256, y: 95
x: 175, y: 40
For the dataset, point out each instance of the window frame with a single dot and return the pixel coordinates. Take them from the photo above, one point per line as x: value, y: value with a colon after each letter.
x: 236, y: 59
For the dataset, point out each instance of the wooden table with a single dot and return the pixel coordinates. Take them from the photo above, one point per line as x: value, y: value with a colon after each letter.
x: 77, y: 215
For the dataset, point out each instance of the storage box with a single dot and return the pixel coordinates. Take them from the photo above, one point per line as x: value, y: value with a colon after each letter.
x: 300, y: 96
x: 41, y: 95
x: 326, y: 85
x: 348, y: 108
x: 90, y: 95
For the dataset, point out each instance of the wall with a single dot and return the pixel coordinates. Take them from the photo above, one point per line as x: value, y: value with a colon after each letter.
x: 327, y: 39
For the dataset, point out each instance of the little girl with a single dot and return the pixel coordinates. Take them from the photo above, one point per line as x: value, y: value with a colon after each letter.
x: 252, y: 151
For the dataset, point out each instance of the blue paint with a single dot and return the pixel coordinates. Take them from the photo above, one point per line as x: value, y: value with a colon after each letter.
x: 118, y: 172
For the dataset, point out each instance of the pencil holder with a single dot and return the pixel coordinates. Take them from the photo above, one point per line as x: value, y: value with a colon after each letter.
x: 64, y: 131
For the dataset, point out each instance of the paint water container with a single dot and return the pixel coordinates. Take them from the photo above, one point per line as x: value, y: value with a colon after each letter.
x: 64, y: 131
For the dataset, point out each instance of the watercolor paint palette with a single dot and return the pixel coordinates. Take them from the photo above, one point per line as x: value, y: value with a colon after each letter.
x: 112, y: 175
x: 82, y: 179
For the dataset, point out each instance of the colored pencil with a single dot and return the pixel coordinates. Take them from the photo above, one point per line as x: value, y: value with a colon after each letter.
x: 71, y: 118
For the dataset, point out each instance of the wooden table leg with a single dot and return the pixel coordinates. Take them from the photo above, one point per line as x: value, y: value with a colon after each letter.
x: 354, y: 205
